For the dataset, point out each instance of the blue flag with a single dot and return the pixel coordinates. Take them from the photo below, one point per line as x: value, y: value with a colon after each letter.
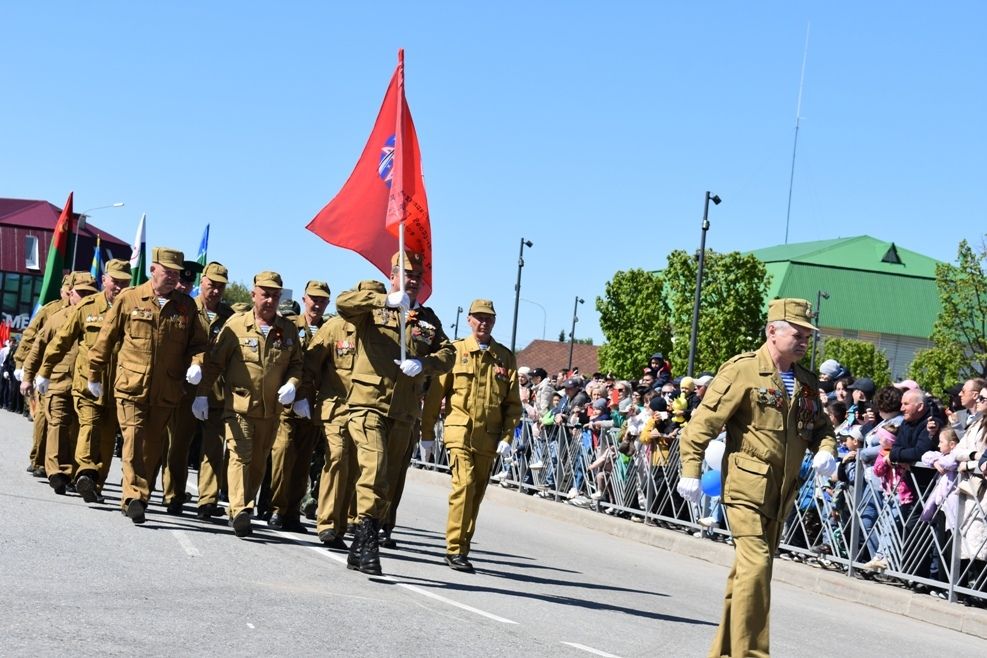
x: 97, y: 267
x: 201, y: 260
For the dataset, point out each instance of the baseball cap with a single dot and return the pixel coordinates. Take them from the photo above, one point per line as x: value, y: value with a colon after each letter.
x: 118, y: 268
x: 268, y: 279
x: 830, y: 367
x: 865, y: 384
x: 482, y: 306
x: 315, y: 288
x: 572, y: 382
x: 906, y: 385
x: 704, y: 380
x: 524, y: 370
x: 791, y: 310
x: 216, y: 272
x: 173, y: 259
x: 539, y: 372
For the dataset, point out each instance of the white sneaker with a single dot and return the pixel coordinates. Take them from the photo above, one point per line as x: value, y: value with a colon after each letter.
x: 572, y: 493
x: 707, y: 521
x: 499, y: 476
x: 876, y: 564
x: 596, y: 495
x: 536, y: 465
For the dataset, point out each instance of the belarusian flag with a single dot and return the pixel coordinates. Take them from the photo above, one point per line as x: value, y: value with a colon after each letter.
x: 55, y: 263
x: 138, y: 256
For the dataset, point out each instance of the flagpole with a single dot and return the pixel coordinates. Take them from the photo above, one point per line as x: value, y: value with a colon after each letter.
x: 399, y: 144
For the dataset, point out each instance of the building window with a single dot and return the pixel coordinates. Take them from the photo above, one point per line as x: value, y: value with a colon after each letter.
x: 31, y: 260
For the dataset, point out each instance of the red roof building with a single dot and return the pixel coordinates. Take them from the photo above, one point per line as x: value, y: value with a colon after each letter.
x: 554, y: 356
x: 26, y: 228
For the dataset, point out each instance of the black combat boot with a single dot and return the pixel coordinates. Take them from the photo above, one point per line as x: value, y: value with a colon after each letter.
x: 353, y: 558
x: 370, y: 547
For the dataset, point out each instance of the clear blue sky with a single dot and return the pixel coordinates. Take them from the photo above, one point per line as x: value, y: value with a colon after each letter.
x: 592, y: 129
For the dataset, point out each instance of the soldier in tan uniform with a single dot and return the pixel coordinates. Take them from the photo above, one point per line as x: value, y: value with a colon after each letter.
x: 770, y: 407
x: 385, y: 394
x: 97, y: 418
x: 328, y: 370
x: 213, y: 313
x: 483, y: 406
x: 291, y: 457
x: 260, y: 359
x: 40, y: 428
x: 55, y: 392
x: 154, y: 331
x: 182, y: 426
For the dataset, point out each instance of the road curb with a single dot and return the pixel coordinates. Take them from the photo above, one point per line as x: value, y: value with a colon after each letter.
x: 971, y: 621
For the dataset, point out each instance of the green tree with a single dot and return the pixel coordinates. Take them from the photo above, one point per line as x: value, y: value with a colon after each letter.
x: 732, y: 316
x: 960, y: 332
x: 236, y: 292
x: 861, y: 358
x: 634, y: 320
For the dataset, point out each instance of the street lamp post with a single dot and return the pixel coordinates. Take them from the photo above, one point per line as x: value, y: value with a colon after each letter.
x: 455, y: 333
x: 572, y: 333
x: 517, y: 287
x: 815, y: 335
x: 699, y: 281
x: 81, y: 223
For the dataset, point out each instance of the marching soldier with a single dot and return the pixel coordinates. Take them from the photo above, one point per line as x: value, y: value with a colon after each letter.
x: 182, y: 426
x: 37, y: 456
x: 291, y: 456
x: 157, y: 332
x: 385, y: 395
x: 770, y: 407
x: 328, y: 368
x: 260, y: 360
x: 483, y: 406
x: 97, y: 418
x: 55, y: 392
x: 213, y: 313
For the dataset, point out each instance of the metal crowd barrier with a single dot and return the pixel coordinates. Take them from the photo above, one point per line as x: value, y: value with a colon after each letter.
x: 857, y: 528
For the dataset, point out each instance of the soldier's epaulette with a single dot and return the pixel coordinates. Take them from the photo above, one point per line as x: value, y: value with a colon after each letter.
x: 741, y: 357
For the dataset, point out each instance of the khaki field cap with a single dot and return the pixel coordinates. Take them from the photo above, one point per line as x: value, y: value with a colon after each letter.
x: 482, y: 306
x: 216, y: 272
x: 118, y: 268
x: 170, y: 258
x: 792, y: 310
x: 84, y: 281
x: 413, y: 261
x: 268, y: 280
x: 317, y: 289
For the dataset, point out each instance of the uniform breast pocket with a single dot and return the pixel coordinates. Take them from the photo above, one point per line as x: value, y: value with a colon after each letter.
x: 141, y: 328
x: 765, y: 415
x: 343, y: 361
x: 249, y: 350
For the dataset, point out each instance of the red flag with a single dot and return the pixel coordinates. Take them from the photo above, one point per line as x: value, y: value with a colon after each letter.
x: 4, y: 332
x: 385, y: 189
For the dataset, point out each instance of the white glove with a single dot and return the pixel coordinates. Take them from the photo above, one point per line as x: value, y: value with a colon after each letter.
x: 96, y: 389
x: 6, y: 375
x: 286, y: 394
x: 824, y: 463
x: 398, y: 299
x: 503, y: 448
x: 410, y: 367
x: 302, y: 409
x: 193, y: 375
x: 41, y: 384
x: 200, y: 407
x: 19, y: 374
x: 689, y: 489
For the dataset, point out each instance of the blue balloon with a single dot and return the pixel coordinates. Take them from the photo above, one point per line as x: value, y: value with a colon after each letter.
x: 712, y: 483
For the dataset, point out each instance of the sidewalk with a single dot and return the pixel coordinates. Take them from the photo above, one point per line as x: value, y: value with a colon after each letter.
x: 972, y: 621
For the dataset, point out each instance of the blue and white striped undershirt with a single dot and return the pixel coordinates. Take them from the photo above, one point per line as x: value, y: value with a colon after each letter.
x: 788, y: 378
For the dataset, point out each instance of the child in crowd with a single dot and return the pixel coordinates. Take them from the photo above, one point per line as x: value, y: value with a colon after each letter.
x: 894, y: 477
x: 945, y: 464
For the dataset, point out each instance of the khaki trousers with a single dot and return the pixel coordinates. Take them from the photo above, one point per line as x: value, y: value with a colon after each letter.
x: 181, y: 431
x: 336, y: 488
x: 63, y: 426
x: 97, y: 437
x: 376, y: 438
x: 398, y: 461
x: 40, y: 433
x: 470, y: 474
x: 291, y: 459
x: 249, y: 442
x: 744, y: 628
x: 212, y: 469
x: 143, y: 427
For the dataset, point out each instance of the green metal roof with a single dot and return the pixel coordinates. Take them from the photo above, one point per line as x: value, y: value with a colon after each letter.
x: 866, y: 291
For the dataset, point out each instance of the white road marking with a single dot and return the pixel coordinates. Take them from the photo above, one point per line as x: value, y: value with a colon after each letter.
x: 186, y: 543
x: 583, y: 647
x: 341, y: 559
x: 249, y: 625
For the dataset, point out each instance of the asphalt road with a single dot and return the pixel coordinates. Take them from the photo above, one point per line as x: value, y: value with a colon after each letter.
x: 83, y: 579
